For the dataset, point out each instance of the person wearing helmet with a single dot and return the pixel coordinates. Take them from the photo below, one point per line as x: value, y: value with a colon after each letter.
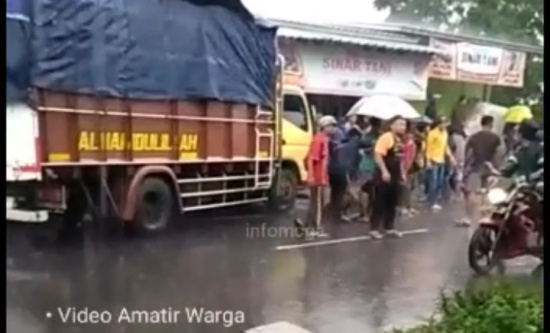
x: 528, y: 158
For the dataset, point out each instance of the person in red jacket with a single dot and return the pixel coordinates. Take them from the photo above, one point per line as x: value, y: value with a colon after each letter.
x: 317, y: 177
x: 407, y: 165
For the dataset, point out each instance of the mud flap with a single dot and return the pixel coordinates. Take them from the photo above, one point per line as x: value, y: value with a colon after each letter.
x: 22, y: 144
x: 25, y: 216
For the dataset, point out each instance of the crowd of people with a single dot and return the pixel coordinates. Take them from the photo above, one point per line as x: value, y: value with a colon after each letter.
x: 373, y: 167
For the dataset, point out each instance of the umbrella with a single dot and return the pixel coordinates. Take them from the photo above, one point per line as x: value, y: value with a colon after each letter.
x: 517, y: 114
x: 383, y: 107
x: 480, y: 109
x: 424, y: 120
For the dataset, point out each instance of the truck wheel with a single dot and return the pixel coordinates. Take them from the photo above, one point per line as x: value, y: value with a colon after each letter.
x: 283, y: 194
x: 154, y: 205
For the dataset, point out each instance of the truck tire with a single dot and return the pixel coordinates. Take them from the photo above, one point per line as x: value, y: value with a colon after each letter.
x: 283, y: 194
x: 154, y: 206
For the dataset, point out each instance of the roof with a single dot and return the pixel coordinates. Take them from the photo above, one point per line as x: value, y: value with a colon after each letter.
x: 351, y: 35
x: 435, y: 33
x: 390, y: 35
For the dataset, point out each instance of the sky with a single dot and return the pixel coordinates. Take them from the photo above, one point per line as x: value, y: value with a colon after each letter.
x: 328, y: 11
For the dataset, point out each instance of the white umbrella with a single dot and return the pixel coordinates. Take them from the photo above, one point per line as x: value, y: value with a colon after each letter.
x: 472, y: 122
x: 383, y: 107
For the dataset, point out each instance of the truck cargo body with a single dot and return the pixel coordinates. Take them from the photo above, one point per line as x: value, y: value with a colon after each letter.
x: 89, y: 131
x: 208, y: 154
x: 217, y: 154
x: 206, y: 140
x: 129, y: 153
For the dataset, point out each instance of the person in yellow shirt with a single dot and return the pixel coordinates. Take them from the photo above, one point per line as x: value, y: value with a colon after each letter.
x: 437, y: 152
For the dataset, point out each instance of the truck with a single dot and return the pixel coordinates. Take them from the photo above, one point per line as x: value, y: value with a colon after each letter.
x: 136, y: 110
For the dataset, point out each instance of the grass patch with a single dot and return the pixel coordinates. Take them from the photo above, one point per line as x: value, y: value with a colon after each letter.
x: 490, y: 307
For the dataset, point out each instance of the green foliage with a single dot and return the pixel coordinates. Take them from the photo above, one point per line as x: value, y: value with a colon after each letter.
x: 520, y: 21
x: 497, y: 308
x: 507, y: 96
x: 512, y: 20
x: 538, y: 112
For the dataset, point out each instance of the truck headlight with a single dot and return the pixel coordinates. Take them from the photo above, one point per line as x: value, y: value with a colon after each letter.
x: 496, y: 196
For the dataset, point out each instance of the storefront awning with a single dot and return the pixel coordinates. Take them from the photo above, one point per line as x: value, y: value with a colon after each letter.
x: 293, y: 33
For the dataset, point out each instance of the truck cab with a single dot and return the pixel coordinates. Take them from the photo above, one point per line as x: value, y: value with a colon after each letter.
x: 297, y: 130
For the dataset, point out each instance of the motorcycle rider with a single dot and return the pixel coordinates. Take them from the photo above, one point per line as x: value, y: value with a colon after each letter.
x: 527, y: 160
x: 526, y: 163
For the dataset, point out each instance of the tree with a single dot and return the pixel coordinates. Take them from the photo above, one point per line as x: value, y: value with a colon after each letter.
x: 512, y: 20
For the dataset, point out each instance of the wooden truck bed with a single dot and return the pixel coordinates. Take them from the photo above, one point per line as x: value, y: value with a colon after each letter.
x: 80, y: 129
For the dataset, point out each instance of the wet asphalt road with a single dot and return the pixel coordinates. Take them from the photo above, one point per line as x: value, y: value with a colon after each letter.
x: 219, y: 262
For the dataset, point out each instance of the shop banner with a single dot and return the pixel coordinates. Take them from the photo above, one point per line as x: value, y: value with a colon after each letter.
x: 349, y: 70
x: 477, y: 64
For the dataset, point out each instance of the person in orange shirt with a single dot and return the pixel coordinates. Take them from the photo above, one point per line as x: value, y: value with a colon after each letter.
x: 388, y: 179
x: 317, y: 177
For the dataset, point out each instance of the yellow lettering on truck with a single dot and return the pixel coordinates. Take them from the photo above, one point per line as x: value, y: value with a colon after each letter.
x: 115, y: 142
x: 164, y: 144
x: 86, y: 141
x: 188, y: 142
x: 188, y: 146
x: 138, y: 142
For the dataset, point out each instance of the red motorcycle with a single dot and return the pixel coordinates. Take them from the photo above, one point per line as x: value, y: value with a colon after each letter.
x: 512, y: 228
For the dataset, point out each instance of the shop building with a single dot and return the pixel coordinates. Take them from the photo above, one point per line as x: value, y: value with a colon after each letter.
x: 337, y: 65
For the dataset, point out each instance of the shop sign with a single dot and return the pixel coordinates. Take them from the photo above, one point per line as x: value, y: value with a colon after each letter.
x: 477, y: 64
x: 334, y: 69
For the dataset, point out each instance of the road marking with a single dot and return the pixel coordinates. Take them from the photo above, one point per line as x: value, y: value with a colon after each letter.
x: 16, y: 275
x: 278, y: 327
x: 232, y: 217
x: 342, y: 240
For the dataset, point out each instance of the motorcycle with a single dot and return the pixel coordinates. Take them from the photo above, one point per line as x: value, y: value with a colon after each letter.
x: 512, y: 227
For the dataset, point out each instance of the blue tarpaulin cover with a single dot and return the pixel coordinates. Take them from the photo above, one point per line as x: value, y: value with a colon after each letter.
x: 18, y: 9
x: 152, y: 49
x: 17, y: 50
